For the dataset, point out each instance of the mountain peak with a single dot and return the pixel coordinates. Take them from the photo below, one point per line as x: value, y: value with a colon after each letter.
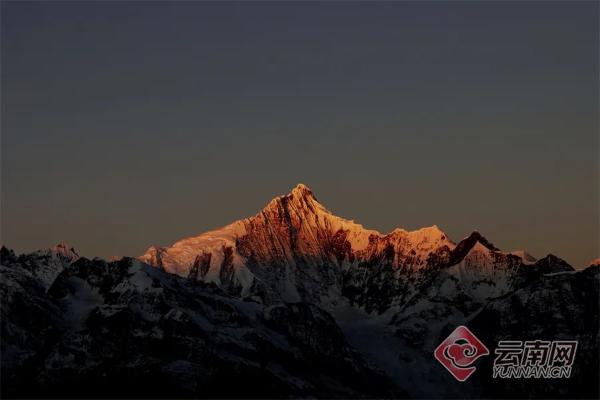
x: 474, y: 240
x: 426, y: 234
x: 525, y: 257
x: 300, y: 197
x: 476, y: 237
x: 432, y: 230
x: 65, y: 250
x: 552, y: 263
x: 6, y: 254
x: 301, y: 188
x: 302, y: 191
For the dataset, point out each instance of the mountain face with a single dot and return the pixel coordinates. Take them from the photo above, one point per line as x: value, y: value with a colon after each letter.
x: 292, y: 302
x: 556, y: 306
x: 295, y: 249
x: 45, y: 265
x: 123, y: 328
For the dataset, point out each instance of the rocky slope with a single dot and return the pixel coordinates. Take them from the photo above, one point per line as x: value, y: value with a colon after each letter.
x: 45, y: 265
x: 561, y: 305
x: 123, y: 328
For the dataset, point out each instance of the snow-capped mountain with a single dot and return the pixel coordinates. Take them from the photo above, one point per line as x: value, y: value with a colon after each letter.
x: 292, y: 302
x: 125, y: 329
x: 293, y: 239
x: 295, y: 249
x: 46, y: 264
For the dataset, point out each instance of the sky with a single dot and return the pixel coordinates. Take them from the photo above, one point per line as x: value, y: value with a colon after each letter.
x: 128, y: 124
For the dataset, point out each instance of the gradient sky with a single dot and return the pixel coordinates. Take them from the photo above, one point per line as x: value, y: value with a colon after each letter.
x: 126, y: 124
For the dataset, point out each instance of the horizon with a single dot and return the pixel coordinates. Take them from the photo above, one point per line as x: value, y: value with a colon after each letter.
x: 126, y: 126
x: 300, y: 184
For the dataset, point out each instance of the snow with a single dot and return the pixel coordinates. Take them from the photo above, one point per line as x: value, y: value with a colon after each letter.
x: 245, y: 278
x: 561, y: 273
x: 428, y: 234
x: 290, y: 292
x: 51, y: 262
x: 421, y: 241
x: 295, y: 229
x: 314, y: 219
x: 484, y: 273
x: 83, y: 300
x: 179, y: 257
x: 526, y: 258
x: 401, y: 361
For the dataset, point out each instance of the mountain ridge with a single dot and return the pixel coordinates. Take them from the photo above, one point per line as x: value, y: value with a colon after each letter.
x: 295, y: 249
x: 101, y: 321
x: 267, y: 298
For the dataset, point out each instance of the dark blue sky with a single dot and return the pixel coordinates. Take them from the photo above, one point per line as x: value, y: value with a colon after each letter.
x: 126, y: 124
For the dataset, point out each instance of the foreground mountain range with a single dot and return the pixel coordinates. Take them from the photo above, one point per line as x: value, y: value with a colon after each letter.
x: 293, y: 301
